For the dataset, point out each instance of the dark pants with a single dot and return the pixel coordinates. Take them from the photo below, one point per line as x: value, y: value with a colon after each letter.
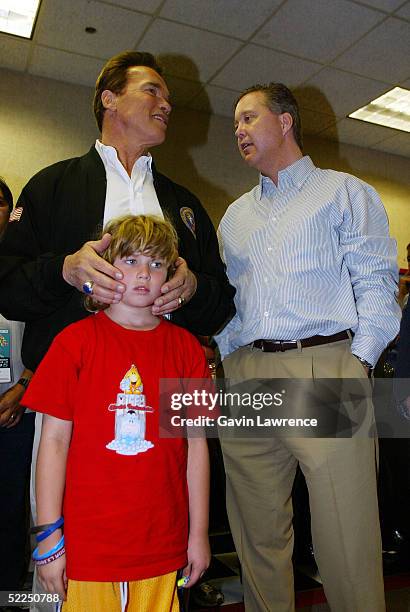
x: 394, y: 488
x: 15, y: 460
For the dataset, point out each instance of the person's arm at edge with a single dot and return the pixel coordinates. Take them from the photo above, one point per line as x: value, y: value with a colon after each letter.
x: 199, y: 555
x: 50, y: 484
x: 30, y: 274
x: 402, y: 368
x: 10, y: 402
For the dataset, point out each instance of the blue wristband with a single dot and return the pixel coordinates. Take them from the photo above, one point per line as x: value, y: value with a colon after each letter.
x: 56, y: 548
x: 42, y: 536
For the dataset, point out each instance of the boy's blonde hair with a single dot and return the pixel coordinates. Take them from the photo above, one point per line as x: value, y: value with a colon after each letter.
x: 145, y: 234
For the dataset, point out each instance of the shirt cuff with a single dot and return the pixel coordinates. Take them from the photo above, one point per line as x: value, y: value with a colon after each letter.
x: 368, y: 348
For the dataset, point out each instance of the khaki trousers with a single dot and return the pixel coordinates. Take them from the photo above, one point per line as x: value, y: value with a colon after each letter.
x: 341, y: 478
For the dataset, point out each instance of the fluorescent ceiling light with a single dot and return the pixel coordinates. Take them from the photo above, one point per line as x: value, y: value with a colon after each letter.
x: 392, y: 109
x: 18, y: 16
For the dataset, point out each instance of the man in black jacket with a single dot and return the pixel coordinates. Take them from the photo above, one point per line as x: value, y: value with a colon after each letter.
x: 48, y: 256
x: 49, y: 259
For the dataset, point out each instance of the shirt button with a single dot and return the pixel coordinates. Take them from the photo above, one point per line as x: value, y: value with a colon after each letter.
x: 269, y: 249
x: 266, y: 313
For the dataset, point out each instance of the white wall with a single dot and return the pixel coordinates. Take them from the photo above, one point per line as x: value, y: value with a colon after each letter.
x: 41, y: 121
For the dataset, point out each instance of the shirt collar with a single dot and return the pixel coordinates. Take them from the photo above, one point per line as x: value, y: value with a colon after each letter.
x: 109, y: 156
x: 291, y: 176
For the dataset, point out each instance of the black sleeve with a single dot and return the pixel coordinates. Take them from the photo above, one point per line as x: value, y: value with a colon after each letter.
x: 212, y: 305
x: 31, y: 281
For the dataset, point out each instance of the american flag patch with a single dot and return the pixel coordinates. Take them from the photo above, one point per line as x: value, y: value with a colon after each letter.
x: 16, y: 214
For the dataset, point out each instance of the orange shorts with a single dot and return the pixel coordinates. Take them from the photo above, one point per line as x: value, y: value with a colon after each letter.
x: 158, y: 594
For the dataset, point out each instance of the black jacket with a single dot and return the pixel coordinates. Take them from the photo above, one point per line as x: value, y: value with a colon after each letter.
x: 63, y: 207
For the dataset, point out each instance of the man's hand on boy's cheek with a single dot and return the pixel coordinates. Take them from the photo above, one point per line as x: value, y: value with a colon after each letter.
x: 87, y: 267
x: 199, y: 558
x: 10, y: 409
x: 177, y: 291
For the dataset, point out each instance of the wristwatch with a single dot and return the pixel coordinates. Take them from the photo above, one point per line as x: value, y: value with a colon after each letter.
x: 24, y: 382
x: 364, y: 362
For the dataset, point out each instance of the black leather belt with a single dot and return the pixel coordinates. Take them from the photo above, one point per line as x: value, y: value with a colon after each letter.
x: 277, y: 346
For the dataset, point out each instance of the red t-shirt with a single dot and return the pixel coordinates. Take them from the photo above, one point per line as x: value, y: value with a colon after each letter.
x: 125, y: 503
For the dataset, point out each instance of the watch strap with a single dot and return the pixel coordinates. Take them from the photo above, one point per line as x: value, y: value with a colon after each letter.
x: 364, y: 362
x: 24, y: 382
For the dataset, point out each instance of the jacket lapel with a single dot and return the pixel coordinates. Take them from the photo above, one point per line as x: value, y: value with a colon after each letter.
x: 166, y: 196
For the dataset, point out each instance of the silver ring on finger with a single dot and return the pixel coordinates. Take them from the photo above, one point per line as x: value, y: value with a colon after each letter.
x: 12, y: 417
x: 88, y: 287
x: 181, y: 301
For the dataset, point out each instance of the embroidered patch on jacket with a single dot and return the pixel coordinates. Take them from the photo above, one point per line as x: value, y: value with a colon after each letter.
x: 16, y: 214
x: 188, y: 217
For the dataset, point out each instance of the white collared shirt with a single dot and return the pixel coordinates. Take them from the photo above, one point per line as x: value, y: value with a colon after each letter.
x: 128, y: 195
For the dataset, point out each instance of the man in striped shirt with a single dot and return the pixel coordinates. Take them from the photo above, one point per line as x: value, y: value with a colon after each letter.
x: 309, y: 253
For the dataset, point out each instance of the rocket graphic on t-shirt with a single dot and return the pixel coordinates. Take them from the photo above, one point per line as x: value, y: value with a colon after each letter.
x: 130, y: 413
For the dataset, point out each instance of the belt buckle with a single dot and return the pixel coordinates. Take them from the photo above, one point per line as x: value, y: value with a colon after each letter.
x: 279, y: 345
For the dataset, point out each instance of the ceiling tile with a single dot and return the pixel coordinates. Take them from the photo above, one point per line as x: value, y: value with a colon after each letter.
x: 145, y: 6
x: 384, y: 5
x: 334, y: 91
x: 399, y: 145
x: 187, y: 52
x: 13, y: 52
x: 235, y: 18
x: 314, y: 122
x: 404, y: 11
x: 298, y: 27
x: 64, y: 66
x: 61, y: 25
x: 254, y: 64
x: 216, y: 100
x: 383, y: 54
x: 181, y: 90
x: 357, y: 132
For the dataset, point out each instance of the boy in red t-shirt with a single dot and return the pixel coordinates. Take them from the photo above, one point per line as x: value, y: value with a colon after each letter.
x: 135, y: 505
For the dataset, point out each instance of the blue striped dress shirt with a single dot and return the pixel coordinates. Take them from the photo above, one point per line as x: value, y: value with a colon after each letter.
x: 310, y: 256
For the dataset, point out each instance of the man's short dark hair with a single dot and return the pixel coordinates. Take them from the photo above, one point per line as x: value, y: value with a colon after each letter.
x: 114, y: 76
x: 279, y: 99
x: 8, y: 196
